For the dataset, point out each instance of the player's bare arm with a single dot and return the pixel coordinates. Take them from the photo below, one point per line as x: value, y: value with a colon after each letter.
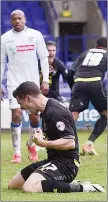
x: 60, y: 144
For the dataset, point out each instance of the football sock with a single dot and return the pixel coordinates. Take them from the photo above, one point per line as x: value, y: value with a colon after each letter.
x: 61, y: 187
x: 98, y: 128
x: 16, y: 137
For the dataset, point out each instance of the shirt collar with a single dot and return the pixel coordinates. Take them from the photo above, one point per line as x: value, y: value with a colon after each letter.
x: 25, y: 28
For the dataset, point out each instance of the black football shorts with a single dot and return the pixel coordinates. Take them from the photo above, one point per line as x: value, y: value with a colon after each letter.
x: 57, y: 169
x: 83, y: 92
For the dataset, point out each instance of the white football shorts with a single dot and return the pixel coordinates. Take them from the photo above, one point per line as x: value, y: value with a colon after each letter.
x: 13, y: 104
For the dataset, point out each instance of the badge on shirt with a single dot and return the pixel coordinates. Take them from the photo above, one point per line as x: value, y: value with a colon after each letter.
x: 31, y: 38
x: 60, y: 125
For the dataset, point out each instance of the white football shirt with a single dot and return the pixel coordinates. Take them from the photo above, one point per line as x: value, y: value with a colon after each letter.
x: 21, y: 50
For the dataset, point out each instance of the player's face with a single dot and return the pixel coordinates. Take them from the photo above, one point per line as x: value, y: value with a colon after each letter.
x: 18, y: 21
x: 52, y: 52
x: 28, y: 103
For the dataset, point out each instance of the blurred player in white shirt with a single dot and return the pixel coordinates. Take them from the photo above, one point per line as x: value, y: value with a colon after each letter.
x: 21, y: 45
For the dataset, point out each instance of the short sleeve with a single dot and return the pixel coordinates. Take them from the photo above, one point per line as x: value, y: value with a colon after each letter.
x: 62, y: 124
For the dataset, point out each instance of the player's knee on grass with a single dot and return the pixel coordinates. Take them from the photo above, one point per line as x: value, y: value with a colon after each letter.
x: 16, y: 182
x: 16, y: 115
x: 33, y: 183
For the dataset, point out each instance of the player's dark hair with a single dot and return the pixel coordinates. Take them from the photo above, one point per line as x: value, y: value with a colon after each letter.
x: 50, y: 43
x: 26, y: 88
x: 102, y: 42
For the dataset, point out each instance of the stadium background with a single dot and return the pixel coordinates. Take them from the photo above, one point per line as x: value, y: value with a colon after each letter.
x: 74, y: 25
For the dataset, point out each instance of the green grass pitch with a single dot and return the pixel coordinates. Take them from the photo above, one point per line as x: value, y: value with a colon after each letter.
x: 91, y: 168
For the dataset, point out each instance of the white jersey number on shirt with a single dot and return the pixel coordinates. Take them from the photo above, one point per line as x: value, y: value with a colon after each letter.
x: 92, y: 59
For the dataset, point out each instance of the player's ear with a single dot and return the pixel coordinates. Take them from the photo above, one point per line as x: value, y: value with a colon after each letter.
x: 27, y: 98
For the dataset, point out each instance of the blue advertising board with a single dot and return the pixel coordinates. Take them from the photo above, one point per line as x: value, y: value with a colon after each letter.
x: 87, y: 118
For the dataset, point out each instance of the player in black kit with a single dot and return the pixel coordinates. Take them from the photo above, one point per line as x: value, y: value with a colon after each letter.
x: 61, y: 167
x: 57, y: 68
x: 88, y: 72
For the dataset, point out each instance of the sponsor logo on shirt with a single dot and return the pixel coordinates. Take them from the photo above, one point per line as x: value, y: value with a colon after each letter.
x: 11, y: 41
x: 23, y: 48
